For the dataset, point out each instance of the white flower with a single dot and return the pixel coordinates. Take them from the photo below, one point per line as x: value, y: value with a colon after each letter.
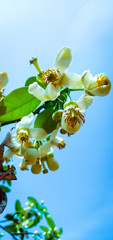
x: 98, y: 85
x: 73, y: 116
x: 53, y: 142
x: 24, y: 132
x: 56, y: 77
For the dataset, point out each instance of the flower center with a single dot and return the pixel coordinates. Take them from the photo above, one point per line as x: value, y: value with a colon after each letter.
x: 23, y: 136
x: 101, y: 80
x: 52, y: 75
x: 73, y: 116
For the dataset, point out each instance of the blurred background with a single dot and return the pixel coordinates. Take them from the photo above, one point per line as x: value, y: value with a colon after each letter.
x: 79, y: 195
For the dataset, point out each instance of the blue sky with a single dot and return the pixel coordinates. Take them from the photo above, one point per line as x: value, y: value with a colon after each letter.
x: 79, y: 195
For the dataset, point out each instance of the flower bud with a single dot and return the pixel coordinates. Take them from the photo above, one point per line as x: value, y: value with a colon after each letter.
x: 3, y: 80
x: 52, y: 163
x: 98, y: 85
x: 36, y: 168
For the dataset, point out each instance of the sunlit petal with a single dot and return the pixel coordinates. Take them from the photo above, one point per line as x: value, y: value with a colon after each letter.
x: 84, y: 101
x: 38, y: 133
x: 72, y: 80
x: 25, y: 122
x: 86, y: 78
x: 43, y: 150
x: 63, y: 59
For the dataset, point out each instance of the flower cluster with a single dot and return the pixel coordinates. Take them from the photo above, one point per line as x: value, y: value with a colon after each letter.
x: 35, y: 145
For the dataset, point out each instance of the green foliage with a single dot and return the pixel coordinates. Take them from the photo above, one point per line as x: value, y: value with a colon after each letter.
x: 23, y: 219
x: 30, y: 81
x: 44, y: 120
x: 17, y: 205
x: 5, y: 189
x: 18, y: 103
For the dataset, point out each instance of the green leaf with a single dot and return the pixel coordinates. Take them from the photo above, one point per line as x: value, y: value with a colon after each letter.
x: 17, y: 205
x: 50, y: 221
x: 11, y: 228
x: 34, y: 201
x: 44, y: 120
x: 18, y: 103
x: 30, y: 81
x: 60, y: 231
x: 9, y: 183
x: 45, y: 229
x: 5, y: 189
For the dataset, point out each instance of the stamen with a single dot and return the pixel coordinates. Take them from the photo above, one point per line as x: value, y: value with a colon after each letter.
x: 52, y: 75
x: 101, y: 80
x: 73, y: 116
x: 23, y: 136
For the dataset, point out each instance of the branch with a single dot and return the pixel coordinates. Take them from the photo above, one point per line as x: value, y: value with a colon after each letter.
x: 12, y: 235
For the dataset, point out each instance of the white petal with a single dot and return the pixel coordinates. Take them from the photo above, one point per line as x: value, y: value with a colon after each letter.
x: 84, y: 101
x: 38, y: 133
x: 25, y: 122
x: 52, y: 92
x: 86, y: 78
x: 54, y: 134
x: 63, y: 59
x: 43, y: 150
x: 3, y: 79
x: 37, y: 91
x: 72, y: 80
x: 8, y: 154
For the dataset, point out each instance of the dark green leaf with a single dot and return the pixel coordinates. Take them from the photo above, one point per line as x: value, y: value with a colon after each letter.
x: 50, y: 221
x: 45, y: 229
x: 30, y: 81
x: 44, y: 120
x: 34, y: 201
x: 11, y: 228
x: 17, y: 205
x: 9, y: 216
x: 5, y: 189
x: 19, y: 103
x: 9, y: 183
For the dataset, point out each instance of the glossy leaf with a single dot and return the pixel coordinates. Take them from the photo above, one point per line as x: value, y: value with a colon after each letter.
x: 44, y: 120
x: 30, y: 81
x: 5, y: 189
x: 17, y: 205
x: 18, y: 104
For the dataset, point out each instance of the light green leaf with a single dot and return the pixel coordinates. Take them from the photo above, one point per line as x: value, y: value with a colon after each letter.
x: 34, y: 201
x: 18, y: 103
x: 30, y: 81
x: 5, y: 189
x: 45, y: 229
x: 17, y: 205
x: 44, y: 120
